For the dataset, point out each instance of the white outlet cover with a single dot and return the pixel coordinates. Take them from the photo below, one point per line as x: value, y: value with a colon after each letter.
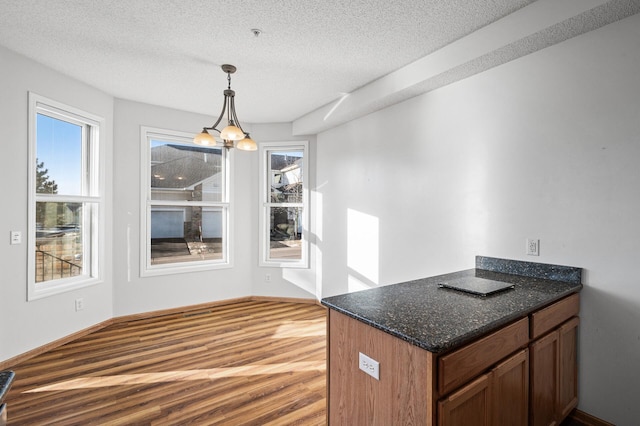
x: 16, y: 237
x: 369, y: 365
x: 533, y: 247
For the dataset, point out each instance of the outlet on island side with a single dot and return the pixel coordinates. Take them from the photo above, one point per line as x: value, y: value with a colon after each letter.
x: 533, y: 247
x: 369, y: 365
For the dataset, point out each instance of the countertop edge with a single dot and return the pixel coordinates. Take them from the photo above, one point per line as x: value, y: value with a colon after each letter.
x: 6, y: 379
x: 545, y: 275
x: 458, y: 342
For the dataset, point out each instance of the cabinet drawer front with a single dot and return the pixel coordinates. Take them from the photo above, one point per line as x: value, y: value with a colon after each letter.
x: 552, y: 316
x: 460, y: 366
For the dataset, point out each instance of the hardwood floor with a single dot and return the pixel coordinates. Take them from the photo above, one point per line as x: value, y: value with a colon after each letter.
x: 248, y: 363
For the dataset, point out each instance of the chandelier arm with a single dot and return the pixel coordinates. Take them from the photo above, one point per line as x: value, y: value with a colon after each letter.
x: 224, y: 108
x: 228, y: 109
x: 234, y: 116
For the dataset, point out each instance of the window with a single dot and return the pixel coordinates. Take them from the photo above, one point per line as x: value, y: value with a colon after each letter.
x: 186, y: 208
x: 285, y: 213
x: 65, y: 198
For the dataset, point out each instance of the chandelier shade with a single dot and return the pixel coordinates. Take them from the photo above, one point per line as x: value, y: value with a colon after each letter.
x: 233, y: 132
x: 204, y: 138
x: 247, y: 144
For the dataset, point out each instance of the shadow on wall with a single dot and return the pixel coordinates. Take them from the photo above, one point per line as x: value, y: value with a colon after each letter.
x: 609, y: 350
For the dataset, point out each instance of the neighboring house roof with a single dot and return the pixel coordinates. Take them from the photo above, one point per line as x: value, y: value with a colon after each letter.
x: 178, y: 166
x: 279, y: 162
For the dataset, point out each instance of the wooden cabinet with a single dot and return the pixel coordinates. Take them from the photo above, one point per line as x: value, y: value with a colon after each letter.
x: 568, y: 367
x: 544, y: 379
x: 498, y: 398
x: 523, y: 373
x: 458, y: 367
x: 470, y: 405
x: 554, y: 372
x: 397, y: 397
x: 510, y: 391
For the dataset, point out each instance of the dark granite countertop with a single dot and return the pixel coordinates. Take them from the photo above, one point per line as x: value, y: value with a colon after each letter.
x: 6, y: 378
x: 439, y: 319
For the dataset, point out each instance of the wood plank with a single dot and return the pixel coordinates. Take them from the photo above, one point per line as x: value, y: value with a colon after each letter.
x: 145, y: 316
x: 255, y: 362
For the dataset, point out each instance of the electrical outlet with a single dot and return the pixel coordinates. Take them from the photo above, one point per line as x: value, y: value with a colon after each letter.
x: 267, y: 278
x: 16, y: 237
x: 79, y: 304
x: 533, y: 247
x: 369, y: 365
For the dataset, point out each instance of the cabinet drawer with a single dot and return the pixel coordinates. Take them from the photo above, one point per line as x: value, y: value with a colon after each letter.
x: 552, y: 316
x: 458, y: 367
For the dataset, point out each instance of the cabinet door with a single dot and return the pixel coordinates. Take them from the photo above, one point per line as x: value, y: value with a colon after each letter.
x: 544, y: 380
x: 469, y: 406
x: 510, y: 391
x: 568, y: 368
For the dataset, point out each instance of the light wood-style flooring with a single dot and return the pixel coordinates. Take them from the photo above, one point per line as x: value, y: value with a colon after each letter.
x: 247, y: 363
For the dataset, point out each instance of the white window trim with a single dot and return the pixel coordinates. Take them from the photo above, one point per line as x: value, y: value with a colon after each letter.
x: 41, y: 104
x: 148, y: 270
x: 265, y: 204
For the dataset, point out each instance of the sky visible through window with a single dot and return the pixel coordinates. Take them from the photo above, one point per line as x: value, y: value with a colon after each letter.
x: 59, y: 147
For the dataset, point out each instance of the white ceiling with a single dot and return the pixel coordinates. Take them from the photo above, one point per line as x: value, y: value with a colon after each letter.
x: 310, y: 52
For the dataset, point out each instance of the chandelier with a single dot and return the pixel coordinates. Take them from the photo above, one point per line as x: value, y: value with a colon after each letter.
x: 233, y: 132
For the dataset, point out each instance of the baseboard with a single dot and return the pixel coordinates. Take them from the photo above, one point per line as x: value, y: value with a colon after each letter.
x: 11, y: 362
x: 587, y: 419
x: 180, y: 310
x: 7, y: 364
x: 283, y: 299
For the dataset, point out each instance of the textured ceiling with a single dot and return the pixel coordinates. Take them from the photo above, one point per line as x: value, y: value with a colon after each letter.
x: 310, y: 53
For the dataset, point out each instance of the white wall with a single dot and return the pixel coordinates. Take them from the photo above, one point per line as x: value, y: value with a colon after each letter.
x: 27, y: 325
x: 284, y: 282
x: 135, y: 294
x: 546, y: 147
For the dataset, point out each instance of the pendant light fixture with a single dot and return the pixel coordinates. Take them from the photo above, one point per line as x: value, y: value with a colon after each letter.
x: 233, y: 132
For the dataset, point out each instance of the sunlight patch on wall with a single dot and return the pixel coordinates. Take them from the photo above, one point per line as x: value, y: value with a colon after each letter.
x: 363, y: 251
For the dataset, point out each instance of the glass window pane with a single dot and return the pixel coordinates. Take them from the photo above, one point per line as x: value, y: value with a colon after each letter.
x: 285, y: 176
x: 58, y: 156
x: 59, y: 239
x: 186, y: 234
x: 186, y: 172
x: 285, y: 240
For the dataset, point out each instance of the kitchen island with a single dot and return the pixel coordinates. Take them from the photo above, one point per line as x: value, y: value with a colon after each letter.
x: 420, y: 353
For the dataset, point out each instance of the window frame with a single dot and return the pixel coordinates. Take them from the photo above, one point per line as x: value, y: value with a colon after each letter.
x: 266, y: 204
x: 92, y: 195
x: 183, y: 138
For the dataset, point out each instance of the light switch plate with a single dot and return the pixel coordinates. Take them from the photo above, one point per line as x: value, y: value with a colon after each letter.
x: 369, y: 365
